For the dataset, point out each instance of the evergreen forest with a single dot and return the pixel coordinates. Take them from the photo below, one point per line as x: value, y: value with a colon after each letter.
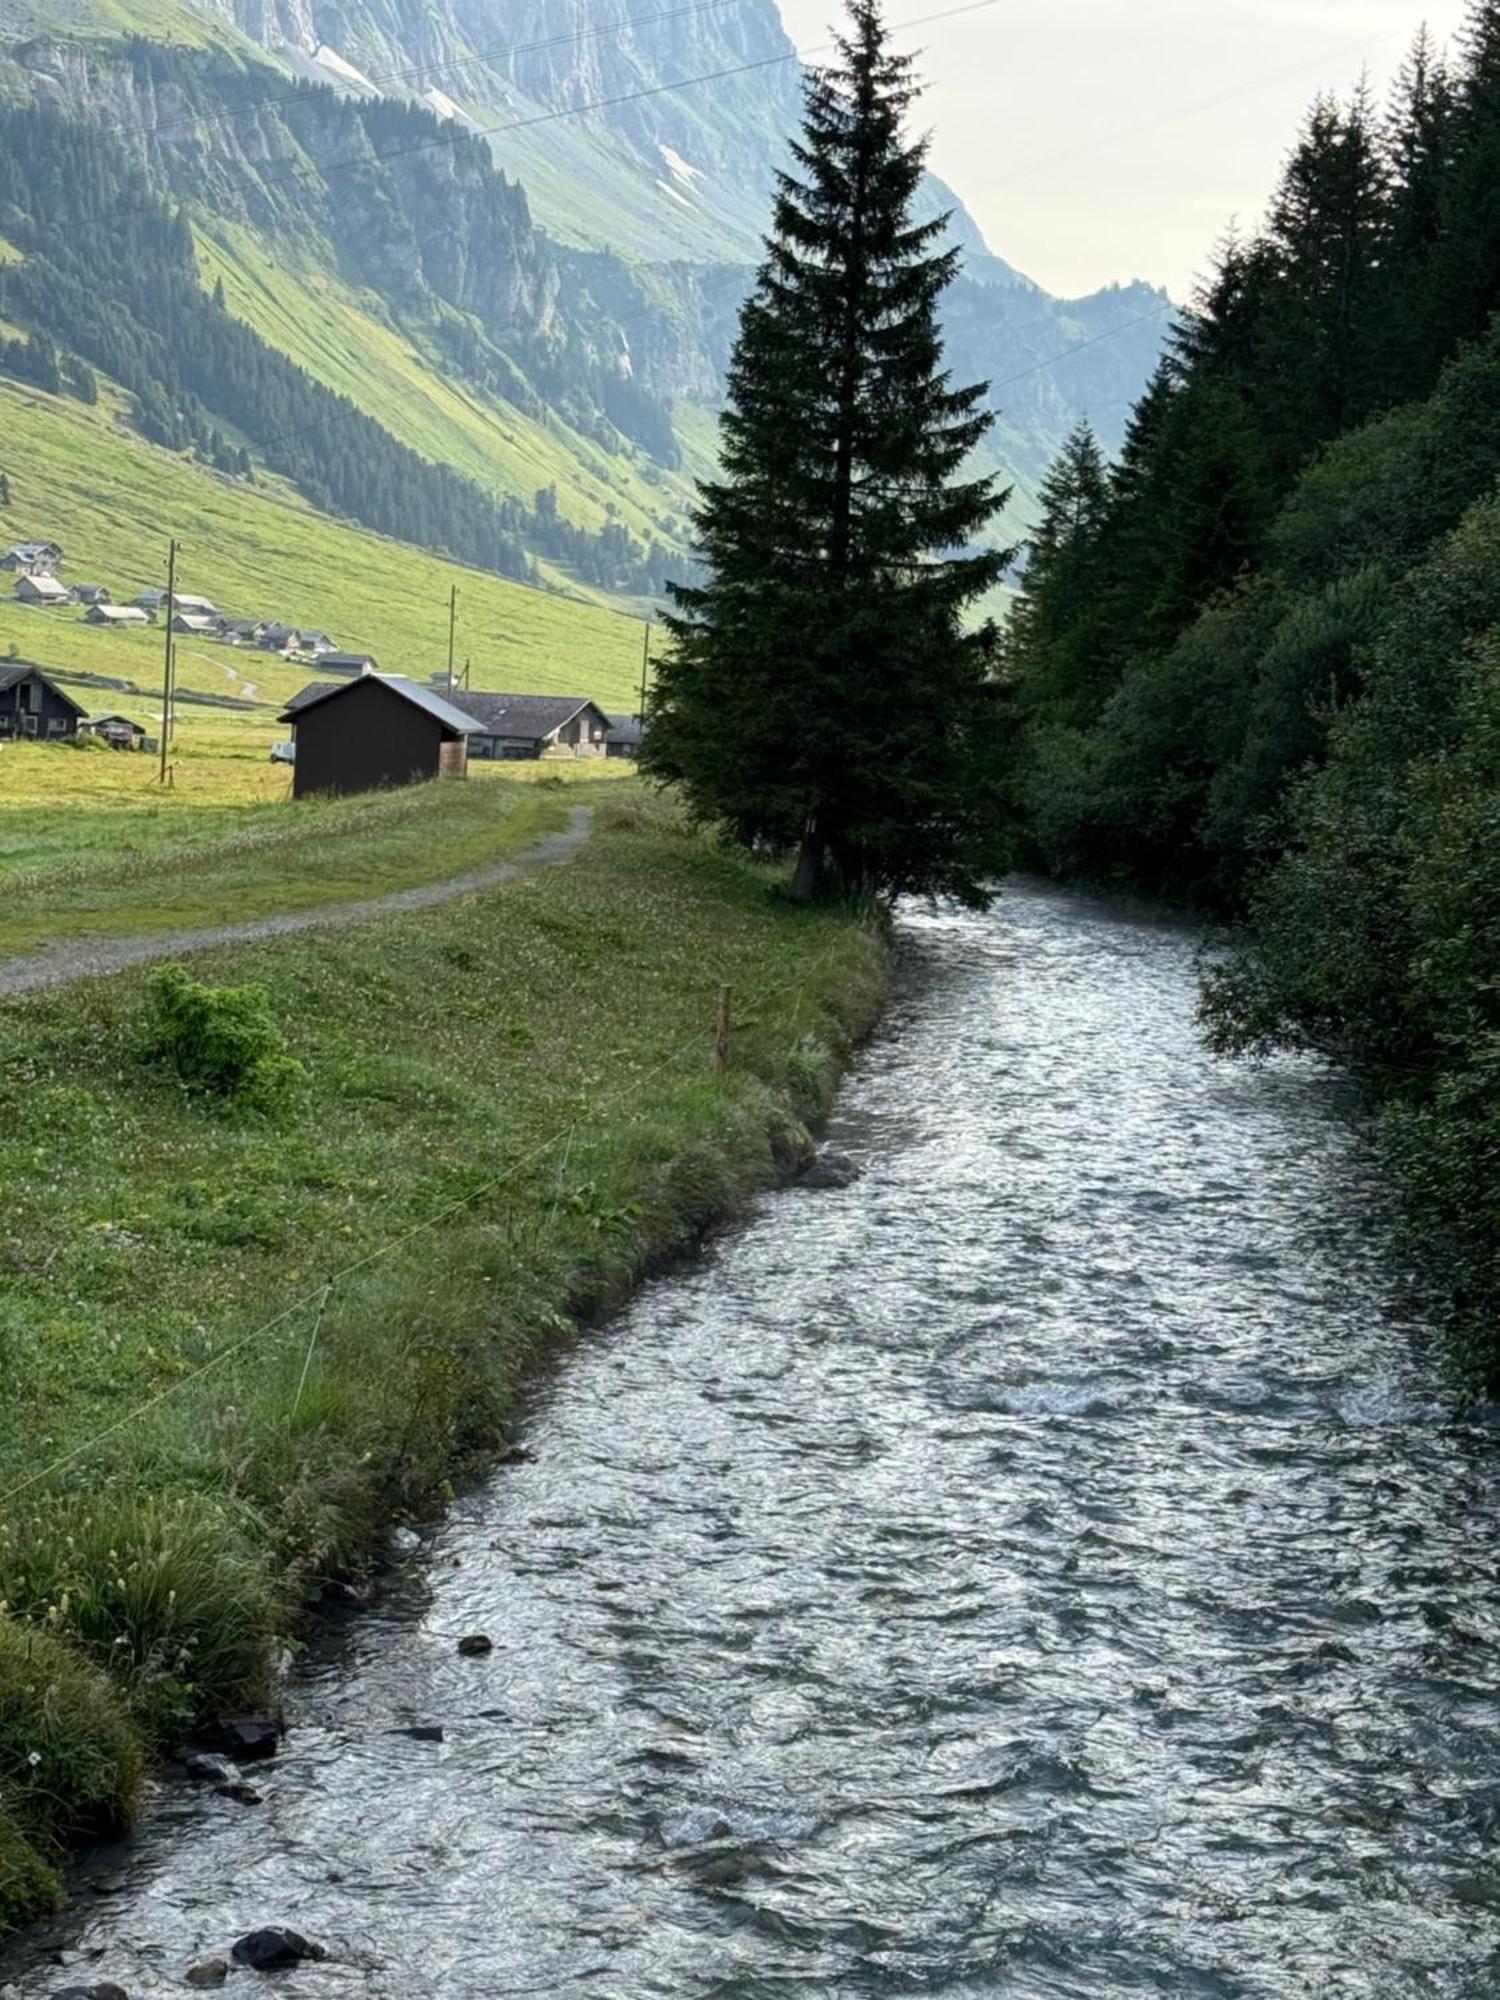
x: 1256, y: 661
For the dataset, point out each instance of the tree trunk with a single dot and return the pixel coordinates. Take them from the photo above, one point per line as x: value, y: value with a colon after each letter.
x: 808, y: 879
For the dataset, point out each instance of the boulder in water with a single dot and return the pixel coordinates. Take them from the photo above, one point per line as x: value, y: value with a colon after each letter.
x: 106, y: 1989
x: 248, y: 1738
x: 474, y: 1645
x: 270, y: 1949
x: 206, y: 1767
x: 208, y: 1972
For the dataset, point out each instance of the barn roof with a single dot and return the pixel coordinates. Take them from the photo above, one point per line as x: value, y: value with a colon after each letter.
x: 17, y: 671
x: 441, y: 710
x: 625, y: 729
x: 528, y: 716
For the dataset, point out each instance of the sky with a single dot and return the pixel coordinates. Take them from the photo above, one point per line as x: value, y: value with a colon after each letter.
x: 1095, y: 140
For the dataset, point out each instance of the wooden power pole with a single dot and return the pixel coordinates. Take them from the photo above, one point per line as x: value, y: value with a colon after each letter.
x: 645, y: 669
x: 452, y: 621
x: 166, y: 665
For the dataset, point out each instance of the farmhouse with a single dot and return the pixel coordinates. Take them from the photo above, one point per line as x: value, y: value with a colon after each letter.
x: 281, y: 638
x: 91, y: 593
x: 116, y: 614
x: 625, y: 736
x: 33, y: 705
x: 194, y: 607
x: 333, y: 662
x: 532, y: 725
x: 251, y: 630
x: 41, y: 589
x: 318, y: 642
x: 381, y: 729
x: 203, y: 623
x: 32, y: 558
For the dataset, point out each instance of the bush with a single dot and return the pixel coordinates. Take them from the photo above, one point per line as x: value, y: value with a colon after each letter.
x: 70, y: 1758
x: 220, y: 1040
x: 30, y: 1887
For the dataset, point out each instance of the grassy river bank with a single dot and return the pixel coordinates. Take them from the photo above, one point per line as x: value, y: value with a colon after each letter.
x: 236, y: 1343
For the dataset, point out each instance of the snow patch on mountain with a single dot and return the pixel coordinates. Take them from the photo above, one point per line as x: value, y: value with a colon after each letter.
x: 443, y: 105
x: 330, y: 59
x: 678, y: 166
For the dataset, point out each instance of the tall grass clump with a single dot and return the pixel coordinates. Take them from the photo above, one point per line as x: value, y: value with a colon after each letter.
x: 70, y: 1764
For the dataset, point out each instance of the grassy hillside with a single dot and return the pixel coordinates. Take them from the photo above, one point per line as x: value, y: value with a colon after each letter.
x: 77, y: 475
x: 347, y: 339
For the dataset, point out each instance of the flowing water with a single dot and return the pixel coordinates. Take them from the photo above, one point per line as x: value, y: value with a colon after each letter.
x: 1050, y: 1567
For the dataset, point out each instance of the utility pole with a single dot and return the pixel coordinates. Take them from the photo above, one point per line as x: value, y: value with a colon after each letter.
x: 645, y: 669
x: 468, y: 657
x: 166, y: 665
x: 452, y: 620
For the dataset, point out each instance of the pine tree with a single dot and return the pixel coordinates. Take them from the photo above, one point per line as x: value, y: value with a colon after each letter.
x: 1319, y: 314
x: 1419, y: 147
x: 1466, y: 290
x: 1052, y: 627
x: 821, y: 692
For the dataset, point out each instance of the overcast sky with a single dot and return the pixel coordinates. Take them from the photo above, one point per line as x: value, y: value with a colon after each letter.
x: 1100, y: 139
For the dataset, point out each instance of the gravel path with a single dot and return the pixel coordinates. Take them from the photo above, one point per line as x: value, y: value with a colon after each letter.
x: 86, y: 956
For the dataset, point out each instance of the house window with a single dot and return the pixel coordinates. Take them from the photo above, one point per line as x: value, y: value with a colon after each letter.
x: 55, y: 725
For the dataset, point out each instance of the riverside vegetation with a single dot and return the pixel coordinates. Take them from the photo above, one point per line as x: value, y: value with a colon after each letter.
x: 246, y: 1326
x: 1259, y: 660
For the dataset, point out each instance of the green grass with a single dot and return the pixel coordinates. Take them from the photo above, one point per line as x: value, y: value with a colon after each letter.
x: 347, y: 338
x: 234, y: 1343
x: 79, y: 476
x: 103, y: 873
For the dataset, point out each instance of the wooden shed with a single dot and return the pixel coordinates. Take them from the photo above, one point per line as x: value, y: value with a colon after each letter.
x: 381, y: 729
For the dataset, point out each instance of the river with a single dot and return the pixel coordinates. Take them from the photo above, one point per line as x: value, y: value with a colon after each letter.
x: 1051, y: 1567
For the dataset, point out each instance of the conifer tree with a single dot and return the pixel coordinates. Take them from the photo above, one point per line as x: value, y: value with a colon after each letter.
x: 1051, y: 625
x: 822, y: 692
x: 1419, y: 143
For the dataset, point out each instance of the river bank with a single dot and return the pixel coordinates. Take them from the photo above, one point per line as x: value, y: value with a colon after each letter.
x: 237, y: 1343
x: 1053, y: 1565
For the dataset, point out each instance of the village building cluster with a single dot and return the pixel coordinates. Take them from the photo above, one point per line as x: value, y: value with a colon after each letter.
x: 353, y: 731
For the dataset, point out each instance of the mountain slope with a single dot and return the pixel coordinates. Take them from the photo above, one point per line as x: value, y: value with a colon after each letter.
x: 549, y: 393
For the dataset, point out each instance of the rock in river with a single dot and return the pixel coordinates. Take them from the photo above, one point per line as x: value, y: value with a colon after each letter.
x: 270, y: 1949
x: 106, y: 1989
x: 829, y: 1170
x: 208, y: 1972
x: 250, y: 1737
x: 474, y: 1645
x: 207, y: 1768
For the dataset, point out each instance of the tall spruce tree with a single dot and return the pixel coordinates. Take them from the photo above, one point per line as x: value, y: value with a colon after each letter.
x: 821, y: 692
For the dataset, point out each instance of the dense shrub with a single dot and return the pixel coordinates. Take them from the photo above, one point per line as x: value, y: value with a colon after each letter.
x: 220, y: 1040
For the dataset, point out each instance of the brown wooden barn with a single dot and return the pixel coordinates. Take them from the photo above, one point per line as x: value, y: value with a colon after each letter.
x: 382, y: 729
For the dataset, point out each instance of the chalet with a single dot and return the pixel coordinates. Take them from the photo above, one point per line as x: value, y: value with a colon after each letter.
x: 201, y: 623
x: 249, y: 631
x: 118, y: 731
x: 32, y: 558
x: 91, y: 593
x: 333, y: 662
x: 378, y: 729
x: 192, y: 607
x: 31, y: 704
x: 116, y: 614
x: 624, y: 737
x: 317, y: 642
x: 41, y: 589
x: 532, y: 725
x: 281, y: 639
